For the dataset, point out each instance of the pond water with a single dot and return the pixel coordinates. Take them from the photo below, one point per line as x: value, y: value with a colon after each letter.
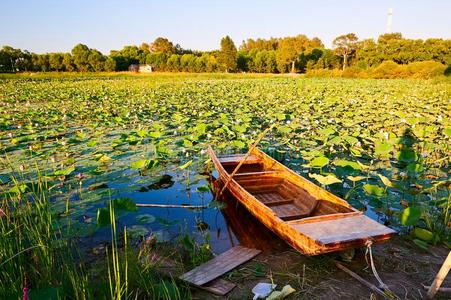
x: 226, y: 225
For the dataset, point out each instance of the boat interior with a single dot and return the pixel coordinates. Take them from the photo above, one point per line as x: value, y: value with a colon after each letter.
x: 285, y: 198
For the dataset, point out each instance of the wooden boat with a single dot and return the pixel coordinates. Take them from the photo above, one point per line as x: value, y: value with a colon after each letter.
x: 309, y: 218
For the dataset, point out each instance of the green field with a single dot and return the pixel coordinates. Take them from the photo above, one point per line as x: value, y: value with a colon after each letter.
x: 72, y: 144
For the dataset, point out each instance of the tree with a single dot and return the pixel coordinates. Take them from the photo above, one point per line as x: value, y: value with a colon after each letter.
x: 96, y: 60
x: 80, y: 54
x: 41, y: 62
x: 173, y: 63
x: 345, y: 46
x: 14, y: 60
x: 56, y: 61
x: 227, y: 55
x: 287, y: 54
x: 68, y: 63
x: 290, y: 49
x: 242, y: 61
x: 162, y: 45
x: 110, y: 65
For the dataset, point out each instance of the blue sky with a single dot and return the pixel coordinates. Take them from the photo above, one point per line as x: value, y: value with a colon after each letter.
x: 57, y: 25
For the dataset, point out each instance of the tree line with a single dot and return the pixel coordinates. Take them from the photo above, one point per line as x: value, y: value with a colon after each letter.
x: 297, y: 54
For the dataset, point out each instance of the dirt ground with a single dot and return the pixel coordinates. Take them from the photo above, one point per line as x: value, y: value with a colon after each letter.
x: 401, y: 265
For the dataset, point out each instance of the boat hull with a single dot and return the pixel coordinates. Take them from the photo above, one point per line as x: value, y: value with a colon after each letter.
x: 298, y: 233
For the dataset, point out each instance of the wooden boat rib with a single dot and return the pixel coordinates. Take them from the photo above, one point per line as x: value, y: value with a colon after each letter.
x: 309, y: 218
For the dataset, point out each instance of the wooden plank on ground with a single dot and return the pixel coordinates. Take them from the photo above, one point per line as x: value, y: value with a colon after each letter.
x: 219, y: 265
x: 218, y: 286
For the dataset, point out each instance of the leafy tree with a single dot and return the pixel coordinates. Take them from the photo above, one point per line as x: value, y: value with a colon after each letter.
x: 157, y: 60
x: 259, y: 44
x: 80, y: 53
x: 14, y: 60
x: 41, y: 62
x: 96, y: 60
x: 173, y: 63
x: 68, y: 63
x: 227, y: 55
x: 242, y: 61
x: 162, y: 45
x: 345, y: 46
x: 187, y: 62
x: 287, y: 54
x: 110, y: 65
x: 56, y: 61
x: 290, y: 49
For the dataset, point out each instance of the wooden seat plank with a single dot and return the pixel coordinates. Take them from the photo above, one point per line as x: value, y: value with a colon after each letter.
x: 340, y: 230
x: 271, y: 198
x: 234, y: 159
x: 288, y: 211
x: 259, y: 173
x: 219, y: 265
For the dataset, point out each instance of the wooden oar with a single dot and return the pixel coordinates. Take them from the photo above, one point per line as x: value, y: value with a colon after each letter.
x: 441, y: 275
x: 251, y: 148
x: 172, y: 206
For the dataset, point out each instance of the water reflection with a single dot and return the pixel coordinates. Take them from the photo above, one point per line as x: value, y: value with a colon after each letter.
x: 243, y: 228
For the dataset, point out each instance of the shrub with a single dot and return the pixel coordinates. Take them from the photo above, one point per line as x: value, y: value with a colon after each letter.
x: 387, y: 69
x: 425, y: 69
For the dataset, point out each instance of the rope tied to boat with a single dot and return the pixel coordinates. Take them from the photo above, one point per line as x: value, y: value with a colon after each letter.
x: 382, y: 285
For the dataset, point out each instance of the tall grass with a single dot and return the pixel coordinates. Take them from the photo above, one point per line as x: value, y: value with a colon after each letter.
x: 36, y: 258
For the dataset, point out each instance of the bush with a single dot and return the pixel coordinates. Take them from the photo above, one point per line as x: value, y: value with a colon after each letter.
x: 425, y: 69
x: 388, y: 69
x: 353, y: 72
x: 324, y: 73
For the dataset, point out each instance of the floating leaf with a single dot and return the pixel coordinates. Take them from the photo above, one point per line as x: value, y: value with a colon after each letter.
x: 326, y: 131
x: 347, y: 163
x: 124, y: 204
x: 203, y: 189
x: 382, y: 148
x: 374, y: 190
x: 385, y: 180
x: 140, y: 164
x: 239, y: 128
x: 284, y: 129
x: 146, y: 218
x: 414, y: 169
x: 238, y: 144
x: 325, y: 180
x: 423, y: 234
x: 96, y: 186
x: 137, y: 231
x: 186, y: 165
x: 65, y: 172
x: 91, y: 143
x: 144, y: 164
x: 410, y: 216
x: 356, y: 178
x: 319, y: 162
x: 104, y: 158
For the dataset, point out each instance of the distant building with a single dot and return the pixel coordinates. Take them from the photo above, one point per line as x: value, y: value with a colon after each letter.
x: 140, y: 68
